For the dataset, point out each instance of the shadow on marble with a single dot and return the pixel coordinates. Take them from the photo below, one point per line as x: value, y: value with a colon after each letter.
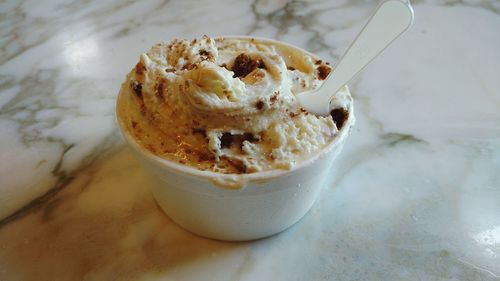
x: 104, y: 225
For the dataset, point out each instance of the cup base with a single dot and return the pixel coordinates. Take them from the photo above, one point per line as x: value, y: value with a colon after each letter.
x: 235, y: 218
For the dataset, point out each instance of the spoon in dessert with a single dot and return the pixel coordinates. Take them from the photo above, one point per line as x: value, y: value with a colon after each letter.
x: 390, y: 20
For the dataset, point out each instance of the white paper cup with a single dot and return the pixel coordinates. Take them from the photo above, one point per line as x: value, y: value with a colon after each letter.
x: 238, y: 207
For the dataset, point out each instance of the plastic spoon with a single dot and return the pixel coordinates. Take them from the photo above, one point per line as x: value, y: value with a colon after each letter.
x: 388, y: 22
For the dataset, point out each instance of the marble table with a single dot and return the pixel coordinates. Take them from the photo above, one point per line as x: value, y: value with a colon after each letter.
x: 415, y: 194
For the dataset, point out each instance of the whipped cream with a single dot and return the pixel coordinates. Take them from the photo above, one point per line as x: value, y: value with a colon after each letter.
x: 227, y: 105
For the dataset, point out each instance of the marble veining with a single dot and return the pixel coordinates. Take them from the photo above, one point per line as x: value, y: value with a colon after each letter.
x: 414, y: 195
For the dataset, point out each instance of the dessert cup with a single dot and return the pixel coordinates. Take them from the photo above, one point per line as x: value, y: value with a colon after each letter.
x: 238, y: 207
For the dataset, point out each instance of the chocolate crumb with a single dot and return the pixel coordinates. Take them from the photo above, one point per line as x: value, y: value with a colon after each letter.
x: 205, y: 54
x: 137, y: 87
x: 226, y: 140
x: 249, y: 137
x: 318, y: 62
x: 274, y: 97
x: 323, y: 72
x: 290, y: 68
x: 169, y: 70
x: 292, y: 114
x: 243, y: 65
x: 259, y: 105
x: 339, y: 116
x: 261, y: 64
x: 224, y: 65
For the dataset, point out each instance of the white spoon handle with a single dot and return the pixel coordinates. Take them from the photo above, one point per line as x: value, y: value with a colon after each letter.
x: 390, y: 20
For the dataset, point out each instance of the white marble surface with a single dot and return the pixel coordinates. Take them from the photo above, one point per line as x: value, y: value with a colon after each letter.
x: 415, y: 194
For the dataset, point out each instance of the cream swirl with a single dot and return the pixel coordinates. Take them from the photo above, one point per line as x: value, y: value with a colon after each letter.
x: 226, y: 105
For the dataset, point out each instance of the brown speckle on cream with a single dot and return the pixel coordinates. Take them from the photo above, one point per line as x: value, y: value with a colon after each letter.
x: 137, y: 88
x: 339, y: 116
x: 259, y: 105
x: 243, y: 65
x: 323, y: 71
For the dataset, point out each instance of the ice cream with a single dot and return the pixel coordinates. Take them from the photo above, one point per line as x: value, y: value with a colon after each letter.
x: 228, y: 104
